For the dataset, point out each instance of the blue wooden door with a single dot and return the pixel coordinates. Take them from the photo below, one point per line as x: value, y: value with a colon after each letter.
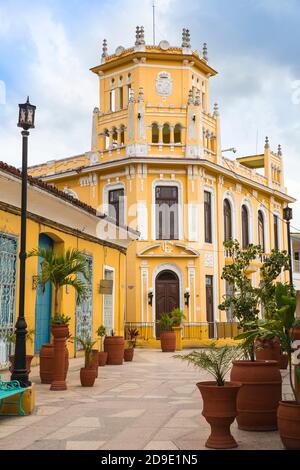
x: 43, y: 303
x: 8, y: 271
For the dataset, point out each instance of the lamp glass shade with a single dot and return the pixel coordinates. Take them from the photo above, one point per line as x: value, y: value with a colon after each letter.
x: 26, y: 115
x: 287, y: 213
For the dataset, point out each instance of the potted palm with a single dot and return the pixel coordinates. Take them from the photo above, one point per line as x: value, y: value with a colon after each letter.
x: 10, y: 337
x: 219, y: 397
x: 262, y: 383
x: 88, y: 372
x: 61, y: 270
x: 102, y: 355
x: 133, y: 333
x: 167, y: 335
x: 178, y: 317
x: 282, y: 326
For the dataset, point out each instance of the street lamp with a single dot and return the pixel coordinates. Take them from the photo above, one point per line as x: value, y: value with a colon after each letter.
x: 26, y: 122
x: 288, y: 215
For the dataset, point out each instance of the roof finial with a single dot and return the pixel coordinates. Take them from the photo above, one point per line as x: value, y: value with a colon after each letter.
x: 104, y: 49
x: 204, y: 52
x: 140, y: 36
x: 216, y: 110
x: 186, y: 38
x: 267, y: 144
x: 279, y: 150
x: 191, y: 97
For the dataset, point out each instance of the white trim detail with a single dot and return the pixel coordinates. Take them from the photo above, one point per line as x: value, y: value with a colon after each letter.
x: 215, y: 249
x: 178, y: 184
x: 111, y: 269
x: 110, y: 187
x: 264, y: 212
x: 229, y: 196
x: 246, y: 202
x: 144, y: 293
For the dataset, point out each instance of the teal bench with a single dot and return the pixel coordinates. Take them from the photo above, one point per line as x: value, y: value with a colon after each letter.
x: 11, y: 389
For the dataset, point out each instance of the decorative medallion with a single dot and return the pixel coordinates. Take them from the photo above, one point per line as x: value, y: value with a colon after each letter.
x: 164, y: 84
x: 164, y: 45
x: 119, y: 50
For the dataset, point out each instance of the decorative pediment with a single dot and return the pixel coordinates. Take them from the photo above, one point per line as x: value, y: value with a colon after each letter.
x: 168, y: 249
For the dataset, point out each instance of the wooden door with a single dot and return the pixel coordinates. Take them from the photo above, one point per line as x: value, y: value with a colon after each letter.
x: 167, y: 295
x: 210, y: 305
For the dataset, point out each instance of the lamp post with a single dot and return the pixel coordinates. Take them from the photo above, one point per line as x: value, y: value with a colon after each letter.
x: 288, y: 215
x: 26, y: 122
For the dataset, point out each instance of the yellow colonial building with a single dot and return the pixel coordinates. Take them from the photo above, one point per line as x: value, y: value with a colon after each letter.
x: 59, y: 222
x: 156, y: 164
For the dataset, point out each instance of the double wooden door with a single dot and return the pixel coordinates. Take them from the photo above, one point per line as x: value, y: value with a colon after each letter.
x: 166, y: 294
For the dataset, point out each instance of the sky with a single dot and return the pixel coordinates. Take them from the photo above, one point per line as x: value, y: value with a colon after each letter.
x: 48, y: 46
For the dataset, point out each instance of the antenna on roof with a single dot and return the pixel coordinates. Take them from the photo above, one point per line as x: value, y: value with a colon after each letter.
x: 153, y: 17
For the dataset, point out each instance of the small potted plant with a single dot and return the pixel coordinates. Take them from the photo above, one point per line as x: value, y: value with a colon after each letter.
x: 10, y: 337
x: 262, y: 382
x: 167, y: 335
x: 178, y: 317
x: 102, y: 355
x: 88, y: 372
x: 133, y: 333
x: 219, y: 396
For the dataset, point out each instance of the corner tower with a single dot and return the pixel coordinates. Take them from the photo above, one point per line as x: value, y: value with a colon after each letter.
x: 154, y: 101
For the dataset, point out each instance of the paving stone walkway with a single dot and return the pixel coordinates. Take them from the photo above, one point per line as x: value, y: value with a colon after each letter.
x: 151, y: 403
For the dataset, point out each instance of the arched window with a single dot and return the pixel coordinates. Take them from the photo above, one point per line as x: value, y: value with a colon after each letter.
x: 177, y: 134
x: 245, y: 227
x: 114, y: 137
x: 261, y: 230
x: 227, y: 220
x: 106, y: 136
x: 166, y: 134
x: 122, y: 134
x: 155, y: 133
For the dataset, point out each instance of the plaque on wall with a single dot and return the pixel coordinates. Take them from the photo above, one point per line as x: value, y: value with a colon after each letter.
x: 106, y: 286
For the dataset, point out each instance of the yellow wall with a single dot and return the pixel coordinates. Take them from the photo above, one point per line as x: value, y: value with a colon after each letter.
x: 102, y: 255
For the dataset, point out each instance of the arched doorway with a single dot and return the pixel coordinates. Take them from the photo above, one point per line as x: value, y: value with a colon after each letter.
x: 166, y: 295
x: 43, y: 305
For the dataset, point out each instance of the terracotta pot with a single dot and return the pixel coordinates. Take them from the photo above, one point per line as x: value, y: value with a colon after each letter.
x: 284, y: 360
x: 219, y: 410
x: 28, y: 362
x: 168, y: 341
x: 102, y: 358
x: 288, y: 415
x: 128, y: 354
x: 296, y: 333
x: 87, y: 376
x: 269, y: 353
x: 114, y: 346
x: 47, y: 363
x: 259, y: 396
x: 60, y: 334
x: 95, y: 360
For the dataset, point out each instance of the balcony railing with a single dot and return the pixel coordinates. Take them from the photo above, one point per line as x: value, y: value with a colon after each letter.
x: 204, y: 330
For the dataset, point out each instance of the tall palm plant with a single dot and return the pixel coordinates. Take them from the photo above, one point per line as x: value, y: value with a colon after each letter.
x: 62, y: 270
